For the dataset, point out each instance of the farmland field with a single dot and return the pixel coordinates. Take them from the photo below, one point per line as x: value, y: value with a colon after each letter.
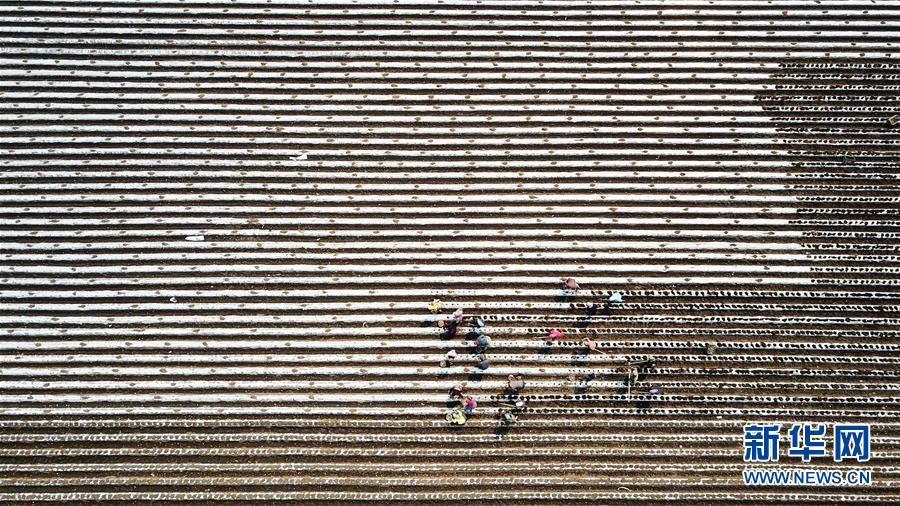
x: 222, y: 223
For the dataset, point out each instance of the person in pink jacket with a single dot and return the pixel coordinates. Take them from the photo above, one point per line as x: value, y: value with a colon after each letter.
x: 469, y: 405
x: 554, y: 335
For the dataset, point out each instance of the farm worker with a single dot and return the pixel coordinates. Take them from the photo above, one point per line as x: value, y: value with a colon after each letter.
x: 554, y: 335
x: 483, y: 342
x: 515, y: 383
x: 570, y: 283
x: 615, y: 298
x: 631, y: 379
x: 457, y: 391
x: 449, y: 358
x: 449, y: 330
x: 456, y: 417
x: 469, y: 405
x: 435, y: 306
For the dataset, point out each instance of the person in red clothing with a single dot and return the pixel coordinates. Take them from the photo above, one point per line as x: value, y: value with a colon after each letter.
x: 554, y: 335
x: 468, y: 405
x: 457, y: 391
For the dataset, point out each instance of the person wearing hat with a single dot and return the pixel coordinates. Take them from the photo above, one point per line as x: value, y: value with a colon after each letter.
x: 482, y: 343
x: 515, y: 383
x: 448, y: 358
x: 457, y: 391
x: 507, y: 418
x: 456, y: 417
